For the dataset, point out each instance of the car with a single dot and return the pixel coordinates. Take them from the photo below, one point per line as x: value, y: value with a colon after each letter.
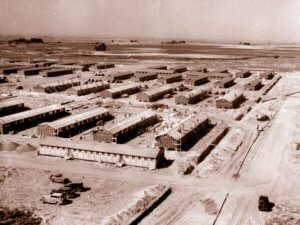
x: 262, y: 117
x: 58, y: 178
x: 55, y: 198
x: 69, y: 192
x: 76, y: 186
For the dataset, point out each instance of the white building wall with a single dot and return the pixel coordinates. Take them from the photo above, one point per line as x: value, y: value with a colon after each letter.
x: 98, y: 156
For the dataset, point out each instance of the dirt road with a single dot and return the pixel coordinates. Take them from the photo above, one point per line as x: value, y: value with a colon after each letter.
x: 267, y: 171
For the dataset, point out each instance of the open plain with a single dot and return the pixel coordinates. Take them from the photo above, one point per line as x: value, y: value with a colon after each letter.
x: 235, y: 139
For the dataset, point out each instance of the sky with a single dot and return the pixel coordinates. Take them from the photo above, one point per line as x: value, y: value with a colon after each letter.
x: 215, y: 20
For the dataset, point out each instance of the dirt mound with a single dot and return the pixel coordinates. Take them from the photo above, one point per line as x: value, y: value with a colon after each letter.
x: 210, y: 206
x: 25, y: 148
x: 9, y: 145
x: 182, y: 167
x: 17, y: 216
x: 143, y: 200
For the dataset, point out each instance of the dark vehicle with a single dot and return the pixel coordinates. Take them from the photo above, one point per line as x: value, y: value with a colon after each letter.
x: 77, y: 186
x: 67, y: 191
x: 264, y: 204
x: 58, y: 178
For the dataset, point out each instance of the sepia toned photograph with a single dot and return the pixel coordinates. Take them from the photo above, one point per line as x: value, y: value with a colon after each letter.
x: 149, y: 112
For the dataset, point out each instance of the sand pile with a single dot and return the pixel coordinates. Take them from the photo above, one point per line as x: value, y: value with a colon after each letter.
x: 142, y: 201
x: 25, y: 148
x: 9, y: 145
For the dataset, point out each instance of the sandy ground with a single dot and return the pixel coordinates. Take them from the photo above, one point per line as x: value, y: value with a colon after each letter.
x: 105, y: 197
x: 266, y: 161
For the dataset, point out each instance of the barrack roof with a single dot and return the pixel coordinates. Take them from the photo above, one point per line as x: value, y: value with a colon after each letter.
x: 29, y: 113
x: 122, y: 88
x: 232, y: 95
x: 158, y: 90
x: 10, y: 103
x: 101, y: 147
x: 88, y: 86
x: 184, y: 126
x: 76, y: 118
x: 194, y: 92
x: 131, y: 121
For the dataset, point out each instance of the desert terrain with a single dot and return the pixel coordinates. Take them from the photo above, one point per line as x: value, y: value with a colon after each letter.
x: 248, y: 159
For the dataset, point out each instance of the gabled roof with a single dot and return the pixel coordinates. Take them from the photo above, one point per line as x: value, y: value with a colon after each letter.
x: 57, y: 124
x: 88, y: 86
x: 158, y: 90
x: 55, y: 84
x: 123, y: 88
x: 194, y: 92
x: 10, y: 103
x: 131, y: 121
x: 29, y: 113
x: 100, y: 147
x: 232, y: 95
x: 184, y: 127
x: 254, y: 82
